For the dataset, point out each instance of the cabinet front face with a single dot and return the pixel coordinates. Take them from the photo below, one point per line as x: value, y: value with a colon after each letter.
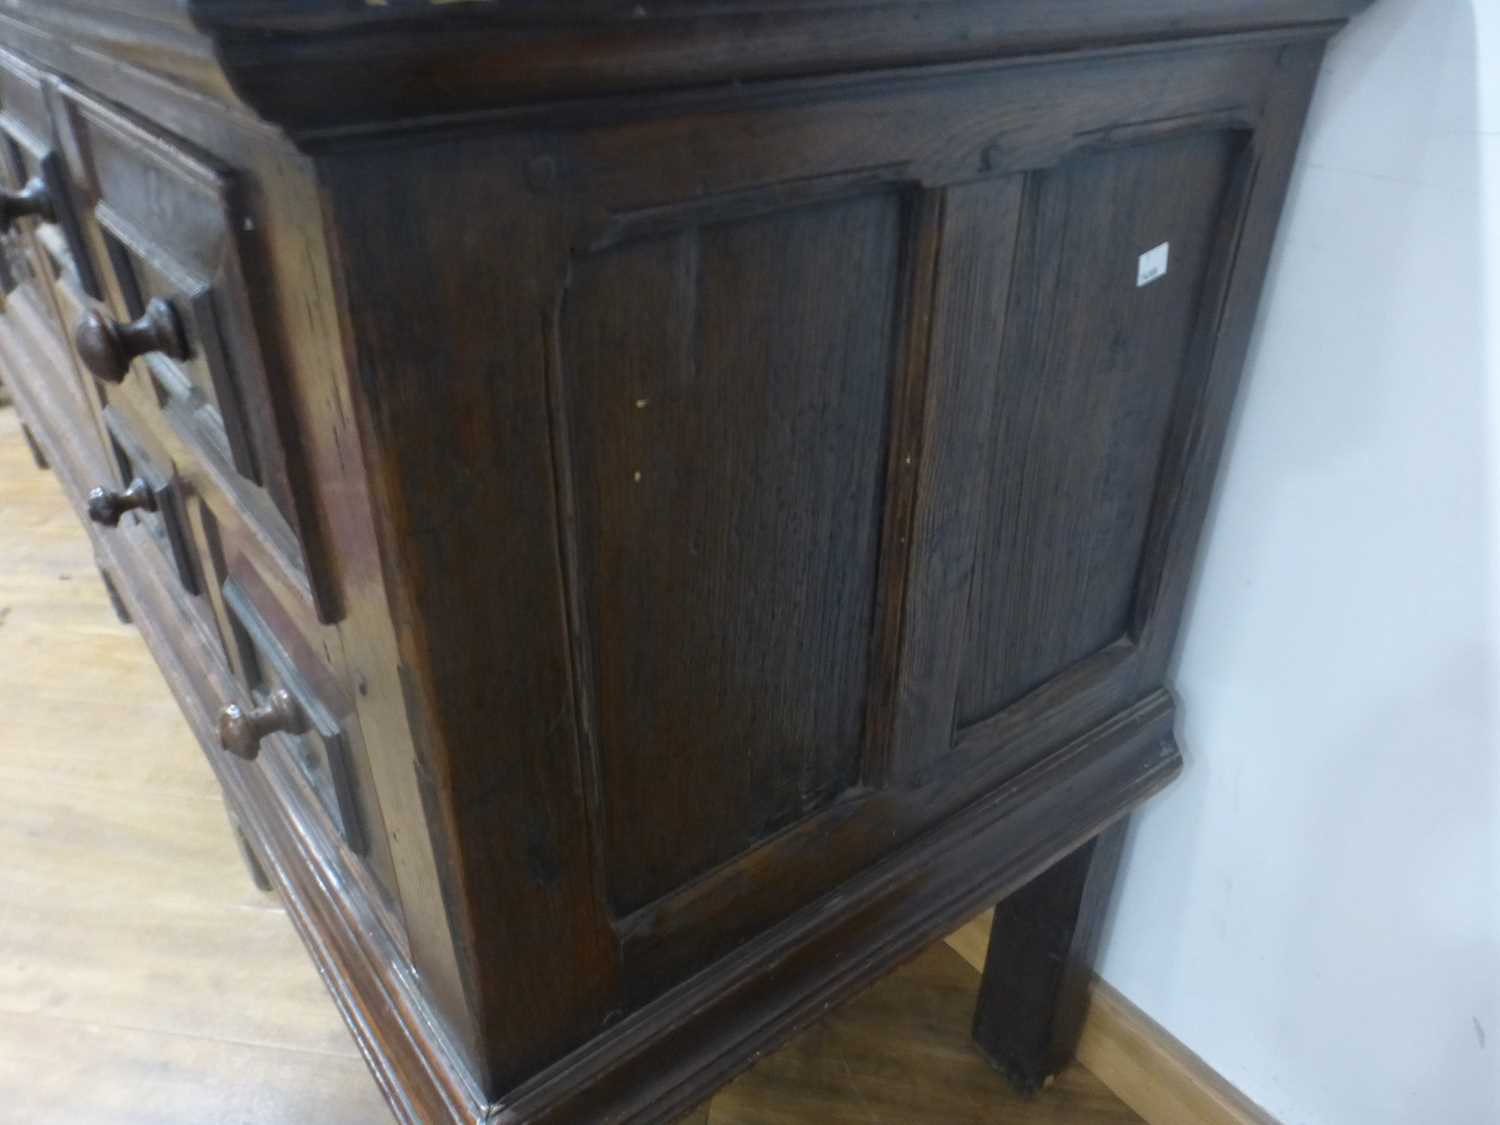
x: 841, y: 450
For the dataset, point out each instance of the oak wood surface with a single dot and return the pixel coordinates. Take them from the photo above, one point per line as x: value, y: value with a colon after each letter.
x: 614, y: 218
x: 147, y: 980
x: 1036, y: 971
x: 741, y: 510
x: 779, y: 570
x: 248, y: 54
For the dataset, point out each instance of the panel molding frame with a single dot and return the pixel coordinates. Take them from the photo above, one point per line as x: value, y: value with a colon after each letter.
x: 541, y: 247
x: 675, y: 1051
x: 1090, y: 688
x: 918, y: 214
x: 1078, y: 698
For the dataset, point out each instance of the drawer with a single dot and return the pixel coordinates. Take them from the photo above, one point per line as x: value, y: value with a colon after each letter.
x: 254, y: 628
x: 295, y: 715
x: 155, y: 506
x: 38, y: 193
x: 311, y: 718
x: 152, y: 497
x: 177, y: 243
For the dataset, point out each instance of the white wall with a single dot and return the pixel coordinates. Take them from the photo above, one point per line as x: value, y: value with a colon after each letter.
x: 1315, y: 907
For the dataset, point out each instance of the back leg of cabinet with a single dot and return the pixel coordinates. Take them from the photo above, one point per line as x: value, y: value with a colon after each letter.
x: 1036, y: 974
x: 37, y: 454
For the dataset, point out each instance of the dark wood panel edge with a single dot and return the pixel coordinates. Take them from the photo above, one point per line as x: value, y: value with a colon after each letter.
x: 565, y: 108
x: 704, y: 919
x: 271, y: 17
x: 675, y: 1052
x: 1191, y: 465
x: 250, y: 62
x: 434, y: 881
x: 491, y: 54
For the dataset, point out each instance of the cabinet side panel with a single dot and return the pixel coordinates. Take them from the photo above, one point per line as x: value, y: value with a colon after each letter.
x: 728, y: 392
x: 1104, y: 301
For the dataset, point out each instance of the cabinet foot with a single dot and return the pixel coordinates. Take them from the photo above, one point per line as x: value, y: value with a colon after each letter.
x: 247, y: 853
x: 36, y: 450
x: 115, y: 601
x: 1036, y: 974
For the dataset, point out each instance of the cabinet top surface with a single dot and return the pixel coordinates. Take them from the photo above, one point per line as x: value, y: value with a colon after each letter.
x: 311, y: 66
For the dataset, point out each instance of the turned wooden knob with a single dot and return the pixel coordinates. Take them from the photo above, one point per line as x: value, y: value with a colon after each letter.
x: 106, y: 506
x: 240, y: 731
x: 33, y: 199
x: 106, y: 346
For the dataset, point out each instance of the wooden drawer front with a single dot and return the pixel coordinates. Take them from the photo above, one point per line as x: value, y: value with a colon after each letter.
x: 320, y: 751
x: 172, y: 227
x: 165, y: 522
x: 32, y: 160
x: 320, y: 764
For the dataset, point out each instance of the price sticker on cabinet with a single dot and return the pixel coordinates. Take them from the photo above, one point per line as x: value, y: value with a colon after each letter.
x: 1152, y: 265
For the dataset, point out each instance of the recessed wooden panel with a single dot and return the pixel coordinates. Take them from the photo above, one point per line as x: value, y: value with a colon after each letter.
x: 727, y: 391
x: 1092, y: 358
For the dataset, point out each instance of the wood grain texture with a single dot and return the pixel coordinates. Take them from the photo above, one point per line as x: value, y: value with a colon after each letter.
x: 466, y: 493
x: 758, y: 498
x: 496, y: 54
x: 245, y: 55
x: 962, y: 346
x: 1089, y: 369
x: 633, y: 207
x: 728, y: 395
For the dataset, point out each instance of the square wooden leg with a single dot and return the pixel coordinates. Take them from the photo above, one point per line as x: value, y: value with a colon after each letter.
x: 122, y: 614
x: 1036, y: 973
x: 37, y: 455
x: 258, y: 874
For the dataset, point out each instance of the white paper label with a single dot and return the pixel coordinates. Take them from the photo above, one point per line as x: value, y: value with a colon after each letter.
x: 1152, y: 265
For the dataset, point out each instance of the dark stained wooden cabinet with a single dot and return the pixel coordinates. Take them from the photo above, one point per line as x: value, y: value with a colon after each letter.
x: 656, y: 511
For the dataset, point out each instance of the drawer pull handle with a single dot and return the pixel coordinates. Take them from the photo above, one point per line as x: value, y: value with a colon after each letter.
x: 106, y: 346
x: 241, y: 731
x: 33, y: 199
x: 106, y: 506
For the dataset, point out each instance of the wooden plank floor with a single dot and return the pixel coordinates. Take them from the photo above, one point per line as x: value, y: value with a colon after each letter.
x: 144, y: 979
